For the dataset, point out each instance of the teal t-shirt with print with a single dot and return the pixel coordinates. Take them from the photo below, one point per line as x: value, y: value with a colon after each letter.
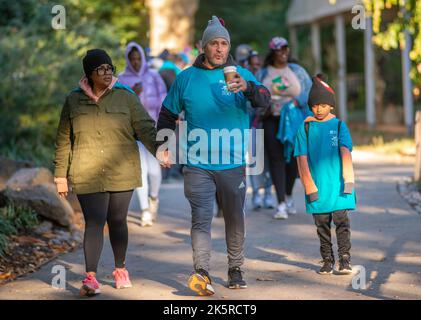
x: 211, y: 112
x: 323, y: 154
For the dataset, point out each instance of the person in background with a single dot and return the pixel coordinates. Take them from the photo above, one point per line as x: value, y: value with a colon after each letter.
x: 155, y: 63
x: 172, y: 66
x: 182, y: 60
x: 241, y: 54
x: 263, y: 180
x: 169, y: 69
x: 253, y: 61
x: 150, y: 88
x: 289, y: 85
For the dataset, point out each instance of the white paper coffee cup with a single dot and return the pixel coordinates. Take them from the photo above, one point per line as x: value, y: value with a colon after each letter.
x: 229, y: 73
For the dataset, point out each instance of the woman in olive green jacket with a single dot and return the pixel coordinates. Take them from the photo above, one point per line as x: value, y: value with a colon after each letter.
x: 96, y: 150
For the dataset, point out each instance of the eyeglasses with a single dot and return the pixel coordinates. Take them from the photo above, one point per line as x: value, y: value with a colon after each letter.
x: 110, y: 69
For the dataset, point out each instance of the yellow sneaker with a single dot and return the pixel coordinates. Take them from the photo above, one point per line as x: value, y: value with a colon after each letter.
x: 200, y: 283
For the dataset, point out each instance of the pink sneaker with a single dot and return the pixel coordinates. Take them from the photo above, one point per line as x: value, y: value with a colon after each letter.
x: 90, y: 286
x: 121, y: 276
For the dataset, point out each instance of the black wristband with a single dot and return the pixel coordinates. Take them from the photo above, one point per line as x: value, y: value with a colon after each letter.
x: 313, y: 196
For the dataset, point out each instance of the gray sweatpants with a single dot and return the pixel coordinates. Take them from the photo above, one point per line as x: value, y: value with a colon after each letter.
x: 200, y: 188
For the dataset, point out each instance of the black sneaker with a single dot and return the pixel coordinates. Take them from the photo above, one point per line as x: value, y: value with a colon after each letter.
x: 235, y: 279
x: 327, y: 267
x: 345, y: 265
x: 200, y: 282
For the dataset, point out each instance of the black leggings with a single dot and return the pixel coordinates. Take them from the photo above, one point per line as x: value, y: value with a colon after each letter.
x: 98, y: 208
x: 283, y: 174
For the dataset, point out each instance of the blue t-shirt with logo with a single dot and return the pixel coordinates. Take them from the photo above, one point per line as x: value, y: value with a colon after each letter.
x: 323, y: 153
x: 217, y: 119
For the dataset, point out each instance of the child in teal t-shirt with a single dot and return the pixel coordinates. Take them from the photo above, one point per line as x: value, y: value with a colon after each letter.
x: 323, y: 149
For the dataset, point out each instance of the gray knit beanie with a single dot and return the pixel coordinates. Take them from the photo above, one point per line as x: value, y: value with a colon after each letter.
x: 215, y: 29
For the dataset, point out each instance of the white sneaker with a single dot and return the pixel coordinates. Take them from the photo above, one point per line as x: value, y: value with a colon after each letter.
x: 153, y: 207
x: 281, y: 212
x: 290, y: 206
x: 257, y: 201
x: 146, y: 219
x: 268, y: 202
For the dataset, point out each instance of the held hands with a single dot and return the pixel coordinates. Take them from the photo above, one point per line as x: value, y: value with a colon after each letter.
x: 62, y: 187
x: 164, y: 158
x: 237, y: 84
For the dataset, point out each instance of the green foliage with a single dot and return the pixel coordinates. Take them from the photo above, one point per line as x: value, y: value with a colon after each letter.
x: 249, y: 21
x: 389, y: 31
x: 13, y: 220
x: 40, y: 65
x: 3, y: 244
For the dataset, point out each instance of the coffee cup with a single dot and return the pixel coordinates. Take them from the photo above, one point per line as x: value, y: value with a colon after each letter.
x: 229, y: 74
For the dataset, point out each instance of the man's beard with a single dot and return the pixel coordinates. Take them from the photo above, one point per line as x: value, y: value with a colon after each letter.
x: 216, y: 65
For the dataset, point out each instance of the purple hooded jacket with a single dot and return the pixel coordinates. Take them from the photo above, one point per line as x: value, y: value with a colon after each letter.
x: 154, y: 90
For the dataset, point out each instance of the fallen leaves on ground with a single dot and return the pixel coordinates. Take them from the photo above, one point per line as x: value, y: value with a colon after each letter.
x: 48, y: 235
x: 29, y: 240
x: 5, y: 275
x: 28, y: 252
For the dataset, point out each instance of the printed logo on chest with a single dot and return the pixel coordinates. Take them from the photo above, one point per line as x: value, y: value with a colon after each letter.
x: 224, y: 88
x: 333, y: 138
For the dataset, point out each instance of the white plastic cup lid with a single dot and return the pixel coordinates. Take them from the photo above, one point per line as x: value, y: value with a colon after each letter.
x: 230, y: 69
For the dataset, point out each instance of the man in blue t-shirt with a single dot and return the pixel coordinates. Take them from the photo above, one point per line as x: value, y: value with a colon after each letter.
x: 214, y: 111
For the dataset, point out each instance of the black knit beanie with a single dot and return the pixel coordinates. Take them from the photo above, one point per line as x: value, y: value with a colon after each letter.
x: 321, y: 92
x: 93, y: 59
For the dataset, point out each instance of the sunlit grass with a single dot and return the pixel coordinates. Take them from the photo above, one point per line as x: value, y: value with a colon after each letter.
x: 400, y: 146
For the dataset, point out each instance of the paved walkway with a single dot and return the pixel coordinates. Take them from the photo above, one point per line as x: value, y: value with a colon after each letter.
x: 281, y: 256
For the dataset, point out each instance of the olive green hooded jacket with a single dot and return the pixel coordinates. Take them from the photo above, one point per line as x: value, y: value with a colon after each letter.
x: 96, y: 145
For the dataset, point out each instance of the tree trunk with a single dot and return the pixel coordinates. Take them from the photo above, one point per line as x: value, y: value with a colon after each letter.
x: 171, y: 24
x: 380, y: 87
